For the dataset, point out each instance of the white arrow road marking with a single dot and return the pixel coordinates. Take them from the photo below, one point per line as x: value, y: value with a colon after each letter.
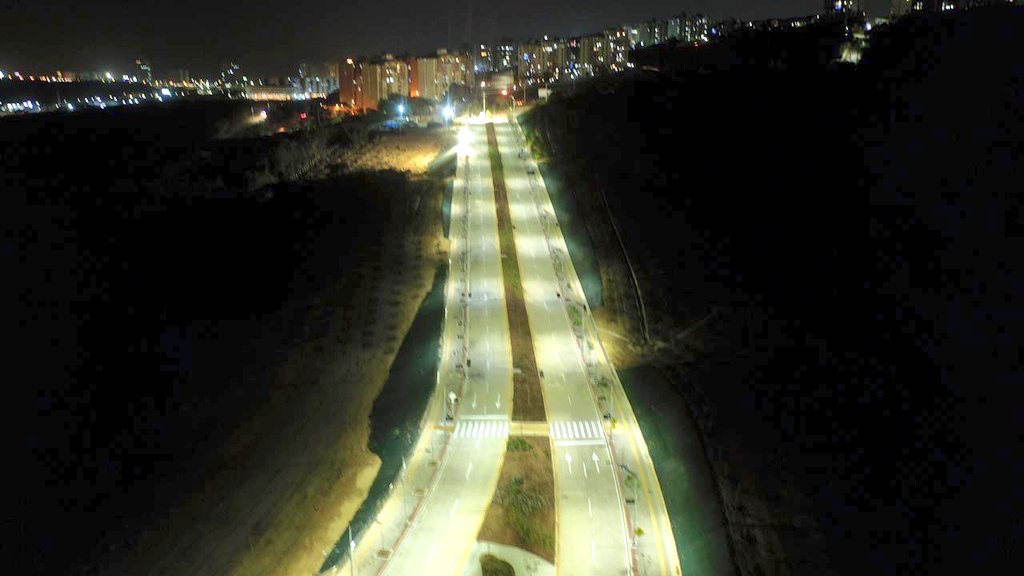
x: 469, y: 469
x: 593, y: 455
x: 585, y: 470
x: 568, y: 460
x: 497, y: 403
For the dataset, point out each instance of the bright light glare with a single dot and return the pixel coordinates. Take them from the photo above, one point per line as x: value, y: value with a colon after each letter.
x: 165, y: 91
x: 263, y: 114
x: 465, y: 140
x: 401, y: 109
x: 448, y: 112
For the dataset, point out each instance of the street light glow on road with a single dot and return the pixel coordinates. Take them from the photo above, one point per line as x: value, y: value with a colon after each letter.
x: 465, y: 140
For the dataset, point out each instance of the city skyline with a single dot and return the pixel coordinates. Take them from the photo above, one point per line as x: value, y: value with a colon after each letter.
x: 112, y: 35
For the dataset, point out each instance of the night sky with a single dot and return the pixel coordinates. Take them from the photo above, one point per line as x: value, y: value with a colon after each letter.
x: 271, y: 38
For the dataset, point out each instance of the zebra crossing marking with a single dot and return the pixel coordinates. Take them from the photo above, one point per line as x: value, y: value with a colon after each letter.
x: 481, y: 429
x: 576, y: 432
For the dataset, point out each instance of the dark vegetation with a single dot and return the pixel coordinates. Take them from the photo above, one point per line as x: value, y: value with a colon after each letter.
x: 155, y: 280
x: 808, y: 47
x: 528, y: 399
x: 494, y: 566
x: 523, y: 505
x: 518, y: 444
x: 843, y: 245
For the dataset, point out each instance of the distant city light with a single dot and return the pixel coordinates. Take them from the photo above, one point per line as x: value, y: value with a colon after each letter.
x: 165, y: 91
x: 448, y: 112
x: 263, y: 114
x: 401, y: 109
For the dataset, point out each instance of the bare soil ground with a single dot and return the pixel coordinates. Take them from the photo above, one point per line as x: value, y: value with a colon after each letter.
x: 282, y: 489
x: 532, y: 463
x: 412, y: 150
x: 528, y: 398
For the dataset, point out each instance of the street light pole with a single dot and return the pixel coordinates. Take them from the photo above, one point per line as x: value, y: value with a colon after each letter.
x: 634, y: 484
x: 351, y: 550
x: 380, y: 535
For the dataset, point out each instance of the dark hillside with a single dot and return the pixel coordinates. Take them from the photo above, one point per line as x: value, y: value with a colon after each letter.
x: 813, y: 46
x: 155, y: 298
x: 850, y: 237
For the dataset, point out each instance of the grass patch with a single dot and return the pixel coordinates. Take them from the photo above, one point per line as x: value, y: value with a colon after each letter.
x: 528, y: 400
x: 494, y: 566
x: 522, y: 513
x: 518, y: 444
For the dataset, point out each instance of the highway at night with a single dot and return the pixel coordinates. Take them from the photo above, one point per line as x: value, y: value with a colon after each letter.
x: 431, y: 521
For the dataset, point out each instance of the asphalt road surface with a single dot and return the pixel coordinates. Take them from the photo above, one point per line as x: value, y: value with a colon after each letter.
x: 592, y: 535
x: 442, y: 535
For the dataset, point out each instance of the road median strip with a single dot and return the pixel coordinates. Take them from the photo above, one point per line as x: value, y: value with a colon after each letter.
x: 528, y: 399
